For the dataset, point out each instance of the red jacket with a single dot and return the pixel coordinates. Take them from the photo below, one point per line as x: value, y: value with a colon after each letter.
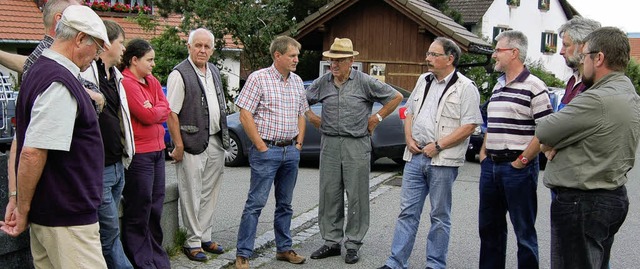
x: 148, y: 132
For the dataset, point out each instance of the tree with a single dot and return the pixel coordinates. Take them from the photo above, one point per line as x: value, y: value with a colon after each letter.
x: 251, y: 23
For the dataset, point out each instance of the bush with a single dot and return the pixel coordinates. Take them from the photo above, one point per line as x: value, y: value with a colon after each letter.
x: 633, y: 72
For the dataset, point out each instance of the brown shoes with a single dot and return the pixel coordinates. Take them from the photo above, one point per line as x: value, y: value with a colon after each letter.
x: 242, y: 262
x: 290, y: 256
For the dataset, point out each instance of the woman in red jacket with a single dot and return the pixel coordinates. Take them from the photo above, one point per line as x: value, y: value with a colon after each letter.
x: 144, y: 188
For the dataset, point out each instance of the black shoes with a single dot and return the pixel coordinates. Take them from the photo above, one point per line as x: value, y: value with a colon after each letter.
x: 351, y: 257
x: 326, y: 251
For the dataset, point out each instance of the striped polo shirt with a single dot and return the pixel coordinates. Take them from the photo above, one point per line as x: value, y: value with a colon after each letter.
x: 512, y: 111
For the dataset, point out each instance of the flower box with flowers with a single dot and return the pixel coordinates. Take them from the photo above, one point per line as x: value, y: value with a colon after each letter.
x: 100, y: 6
x: 119, y: 7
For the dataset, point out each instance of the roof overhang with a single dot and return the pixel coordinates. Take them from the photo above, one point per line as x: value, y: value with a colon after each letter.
x: 419, y: 11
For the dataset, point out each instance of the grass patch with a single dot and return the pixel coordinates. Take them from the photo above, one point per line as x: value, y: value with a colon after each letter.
x: 178, y: 242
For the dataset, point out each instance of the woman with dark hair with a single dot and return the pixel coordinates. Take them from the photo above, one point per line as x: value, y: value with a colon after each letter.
x: 144, y: 191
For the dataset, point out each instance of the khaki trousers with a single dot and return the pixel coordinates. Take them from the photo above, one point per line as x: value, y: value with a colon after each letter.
x: 199, y: 178
x: 67, y: 247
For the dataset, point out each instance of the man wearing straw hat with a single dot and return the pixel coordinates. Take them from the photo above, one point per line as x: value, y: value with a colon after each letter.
x: 60, y: 165
x: 346, y: 124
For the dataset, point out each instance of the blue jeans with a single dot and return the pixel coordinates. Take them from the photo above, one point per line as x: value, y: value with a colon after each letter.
x: 583, y: 225
x: 277, y: 166
x: 113, y: 183
x: 419, y: 180
x: 504, y: 188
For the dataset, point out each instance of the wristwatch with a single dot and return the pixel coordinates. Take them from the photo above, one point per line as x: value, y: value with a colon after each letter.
x: 523, y: 159
x: 438, y: 148
x: 379, y: 117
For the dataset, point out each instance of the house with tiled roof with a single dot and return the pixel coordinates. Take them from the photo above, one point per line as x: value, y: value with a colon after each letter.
x: 392, y: 36
x: 21, y: 28
x: 538, y: 19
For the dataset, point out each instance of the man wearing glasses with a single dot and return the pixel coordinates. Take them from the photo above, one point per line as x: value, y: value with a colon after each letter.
x: 59, y: 148
x: 508, y: 163
x: 442, y: 112
x: 596, y: 137
x: 346, y: 124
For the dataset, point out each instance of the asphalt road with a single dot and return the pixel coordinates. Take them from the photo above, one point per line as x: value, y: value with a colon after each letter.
x: 464, y: 243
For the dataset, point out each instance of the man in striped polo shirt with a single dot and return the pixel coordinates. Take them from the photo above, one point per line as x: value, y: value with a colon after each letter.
x: 509, y: 167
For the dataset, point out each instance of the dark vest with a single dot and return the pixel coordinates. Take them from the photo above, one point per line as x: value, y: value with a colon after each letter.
x: 70, y: 187
x: 194, y: 115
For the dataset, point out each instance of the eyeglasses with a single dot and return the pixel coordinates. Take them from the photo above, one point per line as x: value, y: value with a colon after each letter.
x: 496, y: 50
x: 583, y: 55
x: 434, y: 54
x: 100, y: 48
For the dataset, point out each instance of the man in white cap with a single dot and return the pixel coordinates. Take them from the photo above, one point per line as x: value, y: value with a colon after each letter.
x: 347, y: 96
x: 60, y: 157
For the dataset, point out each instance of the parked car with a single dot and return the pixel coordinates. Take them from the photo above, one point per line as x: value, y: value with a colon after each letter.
x: 387, y: 139
x: 476, y: 139
x: 167, y: 137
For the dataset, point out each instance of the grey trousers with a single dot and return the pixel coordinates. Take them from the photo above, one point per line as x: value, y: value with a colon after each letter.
x: 199, y: 178
x: 344, y: 166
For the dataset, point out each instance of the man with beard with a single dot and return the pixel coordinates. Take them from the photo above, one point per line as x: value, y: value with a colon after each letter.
x: 347, y: 96
x: 573, y: 33
x: 442, y: 112
x: 596, y: 137
x: 508, y: 157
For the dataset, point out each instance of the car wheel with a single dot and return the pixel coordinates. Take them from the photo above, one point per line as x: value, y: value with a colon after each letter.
x: 234, y: 156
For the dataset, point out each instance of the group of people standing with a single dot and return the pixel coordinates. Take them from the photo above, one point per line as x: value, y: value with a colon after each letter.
x: 90, y: 114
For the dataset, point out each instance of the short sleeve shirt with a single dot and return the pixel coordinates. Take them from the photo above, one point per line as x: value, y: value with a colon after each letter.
x: 275, y: 102
x: 346, y: 109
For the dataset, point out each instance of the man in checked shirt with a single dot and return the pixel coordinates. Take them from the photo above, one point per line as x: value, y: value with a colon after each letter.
x: 272, y: 106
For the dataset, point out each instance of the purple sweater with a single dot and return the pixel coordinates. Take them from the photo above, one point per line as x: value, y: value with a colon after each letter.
x: 70, y: 188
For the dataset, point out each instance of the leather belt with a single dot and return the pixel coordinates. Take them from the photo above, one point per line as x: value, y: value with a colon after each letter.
x: 279, y: 143
x: 504, y: 157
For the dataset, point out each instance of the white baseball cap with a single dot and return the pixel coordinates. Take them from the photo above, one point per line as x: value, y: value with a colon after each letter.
x: 83, y: 19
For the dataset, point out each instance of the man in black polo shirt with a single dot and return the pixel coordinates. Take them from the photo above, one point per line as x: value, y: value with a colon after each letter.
x: 117, y: 139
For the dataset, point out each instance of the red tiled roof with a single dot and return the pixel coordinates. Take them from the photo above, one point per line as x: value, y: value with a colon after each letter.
x: 21, y: 20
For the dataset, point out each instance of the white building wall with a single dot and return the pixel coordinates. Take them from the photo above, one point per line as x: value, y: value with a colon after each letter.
x: 532, y: 21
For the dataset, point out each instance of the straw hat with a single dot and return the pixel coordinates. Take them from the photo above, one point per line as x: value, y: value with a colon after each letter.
x: 341, y: 48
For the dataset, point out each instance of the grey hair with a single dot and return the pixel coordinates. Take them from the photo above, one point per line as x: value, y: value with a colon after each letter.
x: 51, y: 8
x: 450, y: 48
x: 516, y: 39
x: 64, y: 32
x: 578, y: 28
x: 193, y: 33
